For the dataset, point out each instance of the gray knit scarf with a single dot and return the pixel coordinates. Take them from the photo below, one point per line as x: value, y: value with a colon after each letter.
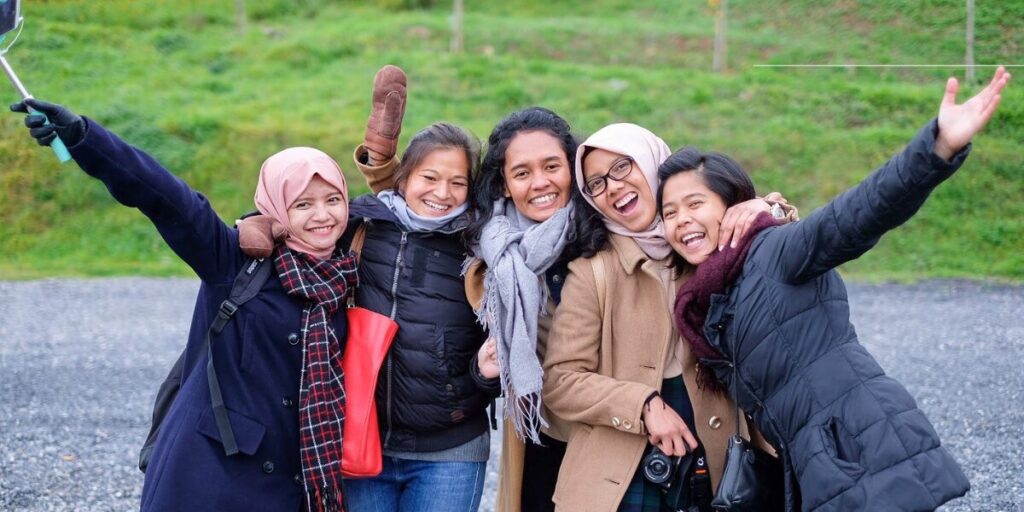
x: 517, y: 252
x: 411, y: 221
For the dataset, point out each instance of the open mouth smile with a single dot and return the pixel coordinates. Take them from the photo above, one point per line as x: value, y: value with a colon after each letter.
x: 437, y: 207
x: 544, y: 200
x: 627, y: 204
x: 693, y: 241
x: 322, y: 230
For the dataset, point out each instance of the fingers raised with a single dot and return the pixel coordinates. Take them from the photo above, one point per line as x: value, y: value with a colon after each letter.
x: 949, y: 99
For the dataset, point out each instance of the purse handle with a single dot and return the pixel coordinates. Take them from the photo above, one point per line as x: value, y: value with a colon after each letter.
x: 735, y: 391
x: 736, y: 401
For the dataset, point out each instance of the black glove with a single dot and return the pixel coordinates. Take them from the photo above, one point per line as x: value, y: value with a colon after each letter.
x: 63, y: 122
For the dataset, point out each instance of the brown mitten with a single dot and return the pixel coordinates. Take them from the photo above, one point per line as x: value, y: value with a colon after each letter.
x: 389, y: 89
x: 258, y: 234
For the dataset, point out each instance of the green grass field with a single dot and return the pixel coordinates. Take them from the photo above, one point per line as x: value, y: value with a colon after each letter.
x: 180, y: 81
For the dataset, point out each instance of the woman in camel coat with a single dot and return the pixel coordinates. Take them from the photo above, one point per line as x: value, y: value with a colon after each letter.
x: 613, y: 344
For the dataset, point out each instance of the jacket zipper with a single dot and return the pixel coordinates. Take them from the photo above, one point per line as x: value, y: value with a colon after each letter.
x: 741, y: 382
x: 394, y: 313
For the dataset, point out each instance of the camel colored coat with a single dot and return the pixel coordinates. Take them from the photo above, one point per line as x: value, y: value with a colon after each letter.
x: 602, y: 363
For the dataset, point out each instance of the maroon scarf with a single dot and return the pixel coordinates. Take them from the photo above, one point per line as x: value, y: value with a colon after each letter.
x: 694, y: 297
x: 322, y: 286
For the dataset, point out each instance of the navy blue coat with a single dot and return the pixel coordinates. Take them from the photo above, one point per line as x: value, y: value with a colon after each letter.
x: 852, y: 437
x: 430, y: 395
x: 258, y: 354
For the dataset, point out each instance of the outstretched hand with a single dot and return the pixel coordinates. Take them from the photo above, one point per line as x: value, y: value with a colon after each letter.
x: 959, y: 123
x: 63, y: 122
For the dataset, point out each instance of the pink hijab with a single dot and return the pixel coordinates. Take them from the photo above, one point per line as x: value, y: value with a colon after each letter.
x: 285, y: 176
x: 648, y: 151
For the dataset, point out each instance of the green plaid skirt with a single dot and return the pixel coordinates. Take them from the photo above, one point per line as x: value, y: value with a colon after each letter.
x: 641, y: 495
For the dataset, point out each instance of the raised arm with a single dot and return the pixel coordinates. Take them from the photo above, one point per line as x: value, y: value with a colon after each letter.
x: 375, y: 157
x: 852, y: 223
x: 183, y: 217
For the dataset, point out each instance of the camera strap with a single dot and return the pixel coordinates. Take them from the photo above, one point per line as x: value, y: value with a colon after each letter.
x: 700, y: 482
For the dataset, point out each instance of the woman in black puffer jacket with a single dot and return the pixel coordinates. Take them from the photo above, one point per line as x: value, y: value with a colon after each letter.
x: 769, y: 321
x: 431, y: 395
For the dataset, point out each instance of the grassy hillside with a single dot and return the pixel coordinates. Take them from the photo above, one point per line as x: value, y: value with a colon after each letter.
x: 179, y: 80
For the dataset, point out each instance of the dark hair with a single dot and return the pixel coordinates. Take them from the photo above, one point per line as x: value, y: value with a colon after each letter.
x: 434, y: 137
x: 721, y: 174
x: 590, y: 235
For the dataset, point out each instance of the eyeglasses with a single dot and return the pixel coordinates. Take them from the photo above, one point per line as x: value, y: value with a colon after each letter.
x: 618, y: 171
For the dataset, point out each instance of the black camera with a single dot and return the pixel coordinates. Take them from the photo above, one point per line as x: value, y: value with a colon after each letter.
x: 659, y: 468
x: 684, y: 480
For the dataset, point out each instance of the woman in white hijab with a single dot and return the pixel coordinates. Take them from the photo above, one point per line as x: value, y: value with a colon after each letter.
x: 615, y: 364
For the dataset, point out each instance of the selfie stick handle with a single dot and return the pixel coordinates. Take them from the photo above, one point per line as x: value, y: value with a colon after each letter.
x: 57, y: 145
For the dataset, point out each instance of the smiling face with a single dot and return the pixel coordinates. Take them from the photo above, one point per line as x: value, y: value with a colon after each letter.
x: 692, y: 215
x: 628, y: 202
x: 439, y: 184
x: 319, y: 215
x: 537, y: 174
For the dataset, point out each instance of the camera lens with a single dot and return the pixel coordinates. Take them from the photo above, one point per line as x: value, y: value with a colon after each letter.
x: 657, y: 467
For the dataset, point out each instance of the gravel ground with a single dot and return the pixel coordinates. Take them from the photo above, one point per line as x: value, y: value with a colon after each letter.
x: 75, y: 399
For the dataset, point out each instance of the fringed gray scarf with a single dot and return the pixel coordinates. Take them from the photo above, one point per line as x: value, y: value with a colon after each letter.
x: 517, y: 252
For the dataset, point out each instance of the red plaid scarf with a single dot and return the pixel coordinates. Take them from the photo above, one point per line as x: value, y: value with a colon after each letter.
x: 322, y: 286
x: 693, y: 300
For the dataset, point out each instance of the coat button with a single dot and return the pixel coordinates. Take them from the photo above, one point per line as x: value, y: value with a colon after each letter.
x: 715, y: 422
x: 297, y: 479
x: 628, y: 425
x: 616, y: 421
x: 287, y: 402
x: 268, y: 467
x: 556, y: 279
x: 448, y: 387
x: 293, y: 339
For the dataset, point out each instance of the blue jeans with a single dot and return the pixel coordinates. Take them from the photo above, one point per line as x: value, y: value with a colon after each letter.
x: 415, y: 486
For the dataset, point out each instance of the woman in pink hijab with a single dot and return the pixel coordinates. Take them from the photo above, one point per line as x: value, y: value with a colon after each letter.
x: 273, y: 441
x: 616, y: 367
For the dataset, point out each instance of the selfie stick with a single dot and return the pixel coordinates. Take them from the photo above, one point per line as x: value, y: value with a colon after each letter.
x: 57, y: 145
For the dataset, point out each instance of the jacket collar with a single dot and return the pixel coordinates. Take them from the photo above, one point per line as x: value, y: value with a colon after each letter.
x: 630, y: 255
x: 632, y: 258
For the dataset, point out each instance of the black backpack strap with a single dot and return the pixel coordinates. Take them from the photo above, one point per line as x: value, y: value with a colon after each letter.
x: 247, y: 284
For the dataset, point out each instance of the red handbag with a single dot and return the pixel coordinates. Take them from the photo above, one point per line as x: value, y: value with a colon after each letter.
x: 369, y: 337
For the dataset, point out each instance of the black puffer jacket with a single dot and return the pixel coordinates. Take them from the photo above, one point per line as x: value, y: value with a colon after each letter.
x: 429, y: 395
x: 852, y: 437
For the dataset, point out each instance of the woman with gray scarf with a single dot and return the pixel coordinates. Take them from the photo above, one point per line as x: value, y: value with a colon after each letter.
x: 531, y: 222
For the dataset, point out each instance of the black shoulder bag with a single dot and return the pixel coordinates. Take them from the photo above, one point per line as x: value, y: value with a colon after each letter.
x: 752, y: 480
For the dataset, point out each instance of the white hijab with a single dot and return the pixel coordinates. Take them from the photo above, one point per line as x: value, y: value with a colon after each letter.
x: 648, y: 151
